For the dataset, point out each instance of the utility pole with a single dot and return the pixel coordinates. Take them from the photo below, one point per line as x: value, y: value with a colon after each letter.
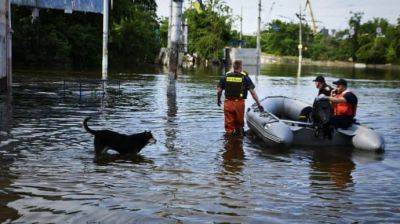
x: 185, y: 36
x: 300, y: 44
x: 259, y: 38
x: 9, y: 45
x: 176, y: 30
x: 5, y: 51
x: 104, y: 74
x: 241, y: 27
x: 3, y: 45
x: 169, y: 24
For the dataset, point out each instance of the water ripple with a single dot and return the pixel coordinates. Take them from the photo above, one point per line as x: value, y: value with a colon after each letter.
x: 49, y: 173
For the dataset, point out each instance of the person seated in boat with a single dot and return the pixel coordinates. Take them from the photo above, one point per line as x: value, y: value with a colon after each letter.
x: 323, y: 88
x: 236, y: 84
x: 344, y: 103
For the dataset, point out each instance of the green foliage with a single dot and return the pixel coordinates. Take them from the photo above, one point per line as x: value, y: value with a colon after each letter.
x: 360, y: 43
x: 321, y: 48
x: 282, y: 38
x: 250, y: 41
x: 134, y: 37
x: 209, y: 31
x: 60, y: 39
x: 373, y: 52
x: 164, y: 24
x: 354, y: 23
x: 393, y: 51
x: 49, y: 41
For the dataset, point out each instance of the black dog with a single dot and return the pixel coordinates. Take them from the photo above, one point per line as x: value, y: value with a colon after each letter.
x: 124, y: 144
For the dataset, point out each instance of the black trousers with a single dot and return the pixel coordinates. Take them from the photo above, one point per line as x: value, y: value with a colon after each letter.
x: 341, y: 121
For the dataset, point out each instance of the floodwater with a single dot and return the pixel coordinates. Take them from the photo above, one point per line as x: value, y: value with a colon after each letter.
x: 49, y: 173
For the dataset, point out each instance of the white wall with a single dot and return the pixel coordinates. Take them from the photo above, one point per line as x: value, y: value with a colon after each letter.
x: 247, y: 55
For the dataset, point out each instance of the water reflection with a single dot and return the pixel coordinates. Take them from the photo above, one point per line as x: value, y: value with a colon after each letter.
x: 172, y: 110
x: 107, y: 159
x: 333, y: 166
x: 171, y: 99
x: 233, y: 155
x: 342, y: 72
x: 331, y: 182
x: 6, y: 117
x: 6, y: 181
x: 7, y: 157
x: 104, y: 98
x: 193, y: 175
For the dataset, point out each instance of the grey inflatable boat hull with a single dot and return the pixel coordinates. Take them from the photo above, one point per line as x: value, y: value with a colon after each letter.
x: 288, y: 131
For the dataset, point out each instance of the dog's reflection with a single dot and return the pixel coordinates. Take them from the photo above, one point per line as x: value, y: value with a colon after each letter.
x: 106, y: 159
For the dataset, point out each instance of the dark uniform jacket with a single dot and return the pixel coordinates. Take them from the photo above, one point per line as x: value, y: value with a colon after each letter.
x: 247, y: 84
x: 325, y: 89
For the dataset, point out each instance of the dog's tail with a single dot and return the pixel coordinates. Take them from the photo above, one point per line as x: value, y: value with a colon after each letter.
x: 91, y: 131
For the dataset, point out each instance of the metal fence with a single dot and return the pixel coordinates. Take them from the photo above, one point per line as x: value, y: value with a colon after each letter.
x: 71, y: 88
x: 95, y: 87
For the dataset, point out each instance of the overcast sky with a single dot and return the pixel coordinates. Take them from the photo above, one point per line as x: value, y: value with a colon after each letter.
x: 332, y: 14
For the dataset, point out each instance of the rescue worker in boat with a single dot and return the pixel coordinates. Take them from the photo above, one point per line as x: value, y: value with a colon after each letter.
x: 323, y: 88
x: 236, y: 85
x: 344, y: 104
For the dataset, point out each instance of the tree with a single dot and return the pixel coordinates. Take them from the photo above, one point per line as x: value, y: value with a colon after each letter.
x: 210, y: 30
x: 134, y: 32
x: 248, y: 41
x: 373, y: 52
x: 354, y: 24
x: 282, y: 38
x: 164, y: 25
x: 375, y: 41
x: 393, y: 51
x: 60, y: 39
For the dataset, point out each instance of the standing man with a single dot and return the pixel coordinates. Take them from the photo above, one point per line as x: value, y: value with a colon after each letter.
x: 236, y: 84
x: 322, y: 87
x: 344, y: 105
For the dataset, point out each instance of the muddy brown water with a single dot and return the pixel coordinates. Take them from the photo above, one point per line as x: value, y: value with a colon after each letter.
x: 49, y: 173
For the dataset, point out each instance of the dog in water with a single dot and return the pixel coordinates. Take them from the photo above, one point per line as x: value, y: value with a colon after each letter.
x: 124, y: 144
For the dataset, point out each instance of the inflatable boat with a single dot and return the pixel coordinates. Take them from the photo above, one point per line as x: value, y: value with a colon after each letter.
x: 281, y: 124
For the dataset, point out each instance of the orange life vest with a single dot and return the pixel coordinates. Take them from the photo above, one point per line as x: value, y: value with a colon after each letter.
x: 344, y: 109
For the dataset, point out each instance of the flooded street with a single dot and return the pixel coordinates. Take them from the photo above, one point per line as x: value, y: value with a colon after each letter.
x: 49, y: 172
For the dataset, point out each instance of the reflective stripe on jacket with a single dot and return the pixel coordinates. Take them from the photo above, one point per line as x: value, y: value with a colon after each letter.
x: 234, y: 85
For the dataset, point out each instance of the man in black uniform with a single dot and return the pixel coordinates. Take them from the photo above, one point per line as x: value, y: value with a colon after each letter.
x: 322, y: 110
x: 324, y: 88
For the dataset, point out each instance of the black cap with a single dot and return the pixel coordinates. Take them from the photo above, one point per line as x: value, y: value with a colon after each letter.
x: 340, y: 82
x: 319, y: 78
